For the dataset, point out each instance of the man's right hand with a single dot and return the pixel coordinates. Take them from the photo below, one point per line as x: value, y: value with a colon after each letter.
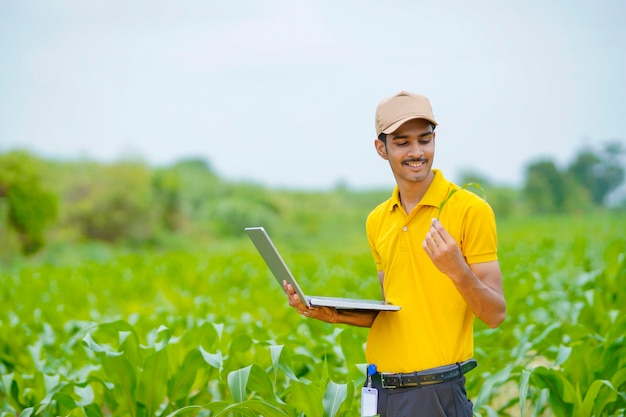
x: 327, y: 314
x: 360, y: 318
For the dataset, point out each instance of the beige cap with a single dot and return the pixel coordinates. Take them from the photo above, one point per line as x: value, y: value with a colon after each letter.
x: 400, y: 108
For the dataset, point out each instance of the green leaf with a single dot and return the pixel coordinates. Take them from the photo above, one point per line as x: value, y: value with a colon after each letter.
x: 7, y: 381
x: 253, y: 408
x: 490, y: 411
x: 334, y: 396
x: 592, y: 395
x: 275, y: 353
x: 65, y: 400
x: 523, y: 390
x: 240, y: 343
x: 184, y: 377
x: 205, y: 335
x: 259, y: 382
x: 454, y: 190
x: 85, y: 395
x: 214, y: 359
x: 250, y: 378
x: 91, y: 344
x: 491, y: 384
x: 122, y: 375
x: 153, y: 378
x: 546, y: 332
x: 92, y: 410
x: 129, y: 344
x: 52, y: 389
x: 219, y: 329
x: 7, y: 388
x: 184, y: 410
x: 619, y: 378
x: 562, y: 355
x: 163, y: 336
x: 554, y: 382
x: 445, y: 201
x: 352, y: 347
x: 306, y: 398
x: 27, y: 412
x: 237, y: 381
x: 281, y: 359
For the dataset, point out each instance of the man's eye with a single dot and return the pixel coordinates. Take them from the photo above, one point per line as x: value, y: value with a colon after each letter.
x: 402, y: 143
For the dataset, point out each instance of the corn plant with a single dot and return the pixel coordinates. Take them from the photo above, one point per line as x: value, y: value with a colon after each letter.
x: 209, y: 333
x: 455, y: 190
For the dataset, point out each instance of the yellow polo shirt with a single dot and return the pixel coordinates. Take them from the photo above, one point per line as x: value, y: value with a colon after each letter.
x: 434, y: 326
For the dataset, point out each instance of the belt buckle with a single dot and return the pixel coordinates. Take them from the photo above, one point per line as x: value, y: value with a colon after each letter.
x: 384, y: 385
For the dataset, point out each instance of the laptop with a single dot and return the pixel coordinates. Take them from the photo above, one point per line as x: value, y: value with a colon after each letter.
x: 281, y: 272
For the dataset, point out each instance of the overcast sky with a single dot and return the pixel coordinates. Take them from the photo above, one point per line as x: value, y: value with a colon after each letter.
x: 284, y: 92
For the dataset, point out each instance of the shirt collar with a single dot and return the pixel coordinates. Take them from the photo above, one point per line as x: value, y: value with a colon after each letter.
x: 437, y: 192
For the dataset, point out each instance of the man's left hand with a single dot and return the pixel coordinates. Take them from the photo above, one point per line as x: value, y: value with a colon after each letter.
x: 444, y: 251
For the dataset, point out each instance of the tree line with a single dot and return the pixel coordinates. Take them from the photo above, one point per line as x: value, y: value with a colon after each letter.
x: 129, y: 202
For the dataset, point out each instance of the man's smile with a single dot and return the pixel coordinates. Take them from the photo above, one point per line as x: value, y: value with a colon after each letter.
x: 415, y: 163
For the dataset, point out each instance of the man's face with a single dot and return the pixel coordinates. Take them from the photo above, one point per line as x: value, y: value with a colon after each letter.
x: 410, y: 150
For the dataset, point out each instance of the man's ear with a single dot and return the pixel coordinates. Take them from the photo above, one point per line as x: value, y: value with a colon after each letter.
x: 381, y: 148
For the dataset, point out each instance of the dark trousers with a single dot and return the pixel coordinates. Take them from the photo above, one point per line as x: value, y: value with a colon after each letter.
x: 447, y: 399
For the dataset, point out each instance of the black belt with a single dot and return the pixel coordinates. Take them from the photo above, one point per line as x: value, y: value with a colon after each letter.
x: 425, y: 377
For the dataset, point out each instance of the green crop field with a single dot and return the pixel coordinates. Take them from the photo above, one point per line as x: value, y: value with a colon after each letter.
x: 102, y: 331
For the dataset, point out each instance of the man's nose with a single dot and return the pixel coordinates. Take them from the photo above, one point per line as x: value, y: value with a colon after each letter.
x: 416, y: 149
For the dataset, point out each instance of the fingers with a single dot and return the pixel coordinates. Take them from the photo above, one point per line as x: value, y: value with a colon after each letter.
x: 428, y: 245
x: 432, y: 238
x: 435, y: 237
x: 295, y: 302
x: 320, y: 313
x: 432, y: 241
x: 439, y: 231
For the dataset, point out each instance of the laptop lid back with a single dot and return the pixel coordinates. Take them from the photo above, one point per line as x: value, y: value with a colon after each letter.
x: 274, y: 261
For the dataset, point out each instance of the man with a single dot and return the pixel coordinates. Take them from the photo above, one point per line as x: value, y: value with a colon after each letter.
x: 441, y: 266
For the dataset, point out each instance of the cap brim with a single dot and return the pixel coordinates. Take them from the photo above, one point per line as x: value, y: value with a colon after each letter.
x: 400, y: 122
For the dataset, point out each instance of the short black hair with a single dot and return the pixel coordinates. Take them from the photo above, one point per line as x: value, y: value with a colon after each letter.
x: 383, y: 136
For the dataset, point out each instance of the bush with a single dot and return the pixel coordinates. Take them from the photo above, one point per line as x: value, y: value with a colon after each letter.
x: 29, y: 208
x: 111, y: 203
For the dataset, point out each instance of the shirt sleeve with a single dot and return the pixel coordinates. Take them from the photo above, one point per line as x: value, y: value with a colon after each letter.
x: 479, y: 241
x: 371, y: 231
